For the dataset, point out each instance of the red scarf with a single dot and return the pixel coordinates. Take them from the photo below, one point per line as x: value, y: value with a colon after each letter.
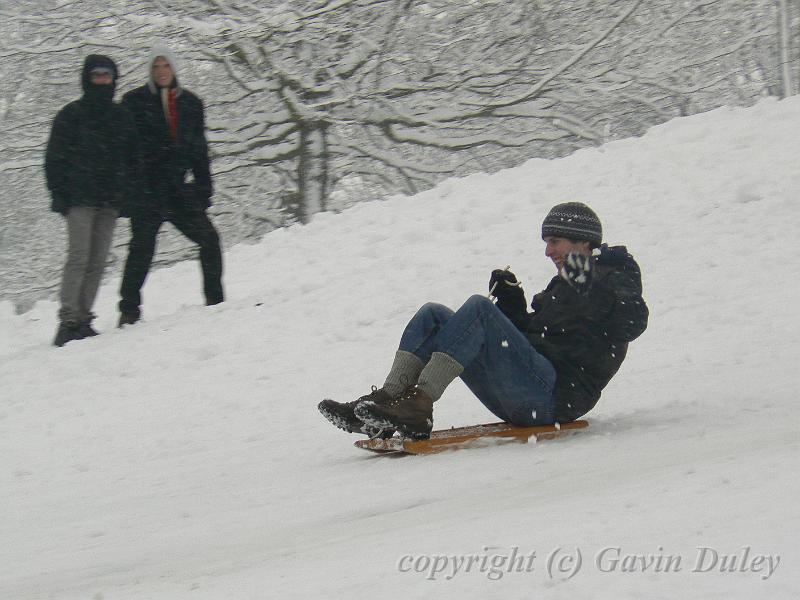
x: 170, y: 104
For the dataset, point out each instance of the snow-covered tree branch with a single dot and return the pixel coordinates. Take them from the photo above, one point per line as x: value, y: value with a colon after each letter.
x: 312, y: 105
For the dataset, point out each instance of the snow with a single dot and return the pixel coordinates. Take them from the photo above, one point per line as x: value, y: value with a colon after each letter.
x: 184, y: 457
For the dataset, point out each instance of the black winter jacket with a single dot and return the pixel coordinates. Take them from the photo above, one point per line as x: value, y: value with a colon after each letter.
x: 586, y: 337
x: 91, y: 156
x: 167, y: 161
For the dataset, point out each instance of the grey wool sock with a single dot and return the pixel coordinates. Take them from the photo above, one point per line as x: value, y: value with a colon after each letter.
x: 440, y: 372
x: 404, y: 372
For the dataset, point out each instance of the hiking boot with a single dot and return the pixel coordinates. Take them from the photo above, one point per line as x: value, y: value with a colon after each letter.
x: 411, y: 414
x: 128, y: 318
x: 342, y: 416
x: 67, y: 331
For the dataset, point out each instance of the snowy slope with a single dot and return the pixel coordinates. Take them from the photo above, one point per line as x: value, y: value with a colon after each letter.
x: 184, y: 458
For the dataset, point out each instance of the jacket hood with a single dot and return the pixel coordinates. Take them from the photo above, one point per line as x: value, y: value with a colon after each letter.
x: 164, y: 51
x: 94, y: 61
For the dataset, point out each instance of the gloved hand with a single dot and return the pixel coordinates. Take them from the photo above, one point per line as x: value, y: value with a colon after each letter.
x: 578, y: 272
x: 504, y: 286
x: 60, y: 204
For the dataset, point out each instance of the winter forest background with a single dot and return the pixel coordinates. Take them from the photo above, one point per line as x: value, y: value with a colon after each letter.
x: 316, y: 105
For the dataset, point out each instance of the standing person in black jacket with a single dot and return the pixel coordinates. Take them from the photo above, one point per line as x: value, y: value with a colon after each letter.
x: 91, y: 169
x: 171, y: 124
x: 534, y: 368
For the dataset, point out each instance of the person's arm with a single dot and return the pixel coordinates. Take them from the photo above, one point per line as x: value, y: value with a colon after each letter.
x: 201, y: 164
x: 57, y: 161
x: 134, y: 180
x: 142, y: 196
x: 606, y: 291
x: 627, y: 315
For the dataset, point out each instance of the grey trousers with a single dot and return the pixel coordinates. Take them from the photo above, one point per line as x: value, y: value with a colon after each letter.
x: 89, y: 234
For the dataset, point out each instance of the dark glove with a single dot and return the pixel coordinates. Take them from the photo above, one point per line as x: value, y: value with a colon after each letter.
x: 504, y: 286
x: 60, y: 204
x: 578, y: 272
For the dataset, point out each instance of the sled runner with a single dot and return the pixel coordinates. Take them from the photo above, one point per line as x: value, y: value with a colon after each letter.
x: 475, y: 436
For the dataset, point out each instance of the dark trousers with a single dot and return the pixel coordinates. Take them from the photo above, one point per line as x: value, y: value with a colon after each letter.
x: 196, y: 226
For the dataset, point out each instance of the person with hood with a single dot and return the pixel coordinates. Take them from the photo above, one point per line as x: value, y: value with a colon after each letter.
x: 91, y: 169
x: 177, y: 185
x: 538, y: 368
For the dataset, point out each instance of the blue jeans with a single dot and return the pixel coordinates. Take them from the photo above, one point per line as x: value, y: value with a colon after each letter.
x: 501, y: 367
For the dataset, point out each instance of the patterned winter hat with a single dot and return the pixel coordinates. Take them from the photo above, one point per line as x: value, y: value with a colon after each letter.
x: 574, y: 221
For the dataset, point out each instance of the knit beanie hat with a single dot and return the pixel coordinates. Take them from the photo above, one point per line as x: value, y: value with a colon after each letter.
x: 574, y: 221
x: 161, y: 50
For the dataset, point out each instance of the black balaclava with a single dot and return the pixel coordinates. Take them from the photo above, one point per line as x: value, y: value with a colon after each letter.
x: 98, y: 95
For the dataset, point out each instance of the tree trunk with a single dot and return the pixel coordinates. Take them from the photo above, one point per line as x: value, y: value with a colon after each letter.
x: 784, y: 41
x: 313, y: 170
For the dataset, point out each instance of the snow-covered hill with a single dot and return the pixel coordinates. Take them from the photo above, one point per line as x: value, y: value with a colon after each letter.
x: 184, y: 458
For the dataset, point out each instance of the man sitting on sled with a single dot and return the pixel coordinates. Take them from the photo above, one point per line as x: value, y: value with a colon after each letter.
x: 539, y: 368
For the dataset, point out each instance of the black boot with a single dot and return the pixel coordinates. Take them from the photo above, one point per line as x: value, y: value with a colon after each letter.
x: 128, y: 318
x: 67, y: 331
x: 342, y: 416
x: 85, y: 328
x: 411, y: 414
